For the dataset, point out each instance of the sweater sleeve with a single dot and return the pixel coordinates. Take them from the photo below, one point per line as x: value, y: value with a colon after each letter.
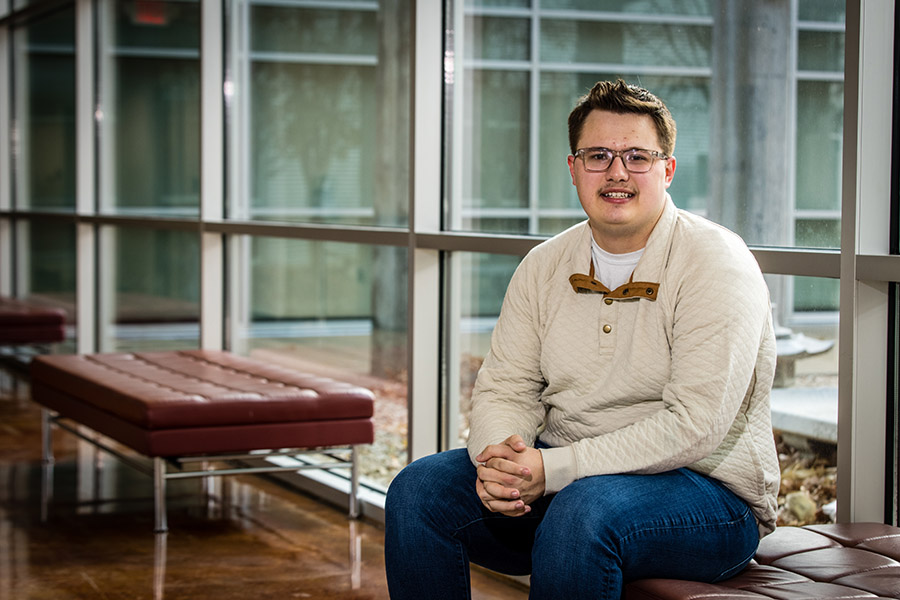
x: 506, y: 399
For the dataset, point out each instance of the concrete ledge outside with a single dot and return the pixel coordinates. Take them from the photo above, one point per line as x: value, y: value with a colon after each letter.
x: 806, y: 412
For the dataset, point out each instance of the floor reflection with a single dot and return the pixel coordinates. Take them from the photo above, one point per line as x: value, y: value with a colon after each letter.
x: 83, y: 529
x: 254, y: 536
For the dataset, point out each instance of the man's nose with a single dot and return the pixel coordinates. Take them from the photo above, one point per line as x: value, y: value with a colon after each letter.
x: 617, y: 171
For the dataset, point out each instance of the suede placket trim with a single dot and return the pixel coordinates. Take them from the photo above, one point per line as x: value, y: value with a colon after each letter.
x: 633, y: 290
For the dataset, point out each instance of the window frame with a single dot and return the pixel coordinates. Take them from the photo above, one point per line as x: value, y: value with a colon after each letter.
x: 864, y: 264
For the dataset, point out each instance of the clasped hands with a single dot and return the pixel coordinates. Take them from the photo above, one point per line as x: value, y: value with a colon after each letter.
x: 510, y: 476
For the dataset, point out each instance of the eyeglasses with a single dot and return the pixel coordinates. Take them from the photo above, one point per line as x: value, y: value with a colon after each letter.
x: 636, y: 160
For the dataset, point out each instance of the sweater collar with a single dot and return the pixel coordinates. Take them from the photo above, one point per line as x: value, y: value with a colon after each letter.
x: 644, y: 281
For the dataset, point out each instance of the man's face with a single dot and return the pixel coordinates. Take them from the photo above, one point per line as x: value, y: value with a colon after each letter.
x: 622, y: 207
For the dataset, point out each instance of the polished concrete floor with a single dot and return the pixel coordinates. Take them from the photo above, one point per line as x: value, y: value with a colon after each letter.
x: 85, y: 530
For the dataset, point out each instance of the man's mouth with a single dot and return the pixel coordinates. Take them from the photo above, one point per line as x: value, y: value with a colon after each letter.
x: 616, y: 195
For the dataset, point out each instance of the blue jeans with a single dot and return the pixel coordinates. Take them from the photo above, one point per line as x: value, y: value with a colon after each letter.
x: 582, y: 542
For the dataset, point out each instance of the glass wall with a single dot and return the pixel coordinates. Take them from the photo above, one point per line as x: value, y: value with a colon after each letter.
x: 333, y: 309
x: 760, y: 116
x: 149, y: 115
x: 46, y: 270
x: 318, y: 133
x: 42, y: 169
x: 44, y: 109
x: 523, y: 68
x: 150, y: 291
x: 475, y: 283
x: 805, y: 404
x: 319, y: 105
x: 324, y: 263
x: 759, y: 112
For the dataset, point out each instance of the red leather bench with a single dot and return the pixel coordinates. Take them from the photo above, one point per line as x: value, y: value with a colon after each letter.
x: 27, y: 323
x: 814, y: 562
x: 195, y: 406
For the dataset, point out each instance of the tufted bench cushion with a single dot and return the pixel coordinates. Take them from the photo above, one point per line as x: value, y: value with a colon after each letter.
x: 26, y: 323
x: 201, y: 403
x: 814, y: 562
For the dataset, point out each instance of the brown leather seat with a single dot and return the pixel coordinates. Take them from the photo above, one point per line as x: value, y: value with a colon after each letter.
x: 25, y: 323
x: 194, y: 405
x: 815, y: 562
x: 201, y: 402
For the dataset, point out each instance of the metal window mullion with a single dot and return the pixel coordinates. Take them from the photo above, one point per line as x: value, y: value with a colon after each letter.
x: 534, y: 123
x: 627, y: 18
x: 787, y: 290
x: 85, y: 177
x: 455, y: 80
x: 105, y: 115
x: 239, y: 111
x: 452, y: 202
x: 20, y: 122
x: 354, y: 5
x: 643, y: 70
x: 309, y: 58
x: 212, y: 174
x: 425, y: 216
x: 864, y: 304
x: 6, y: 225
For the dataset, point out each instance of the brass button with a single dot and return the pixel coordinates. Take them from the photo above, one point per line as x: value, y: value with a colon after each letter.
x: 649, y: 291
x: 609, y: 300
x: 607, y: 329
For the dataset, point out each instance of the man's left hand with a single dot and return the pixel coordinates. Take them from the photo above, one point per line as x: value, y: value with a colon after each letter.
x: 510, y: 476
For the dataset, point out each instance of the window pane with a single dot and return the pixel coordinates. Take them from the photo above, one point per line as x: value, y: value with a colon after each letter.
x: 805, y: 397
x: 46, y: 261
x: 150, y: 289
x: 759, y: 142
x: 499, y: 38
x: 319, y: 115
x: 820, y: 50
x: 474, y: 304
x: 44, y: 107
x: 321, y: 31
x: 816, y: 233
x: 332, y: 309
x: 150, y: 100
x: 583, y: 41
x: 831, y: 11
x: 819, y: 149
x: 498, y: 143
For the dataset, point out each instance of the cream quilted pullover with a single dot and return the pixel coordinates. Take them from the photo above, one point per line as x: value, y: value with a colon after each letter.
x: 636, y: 385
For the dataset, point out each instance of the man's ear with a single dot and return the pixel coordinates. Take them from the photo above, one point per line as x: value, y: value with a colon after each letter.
x: 571, y: 161
x: 670, y: 170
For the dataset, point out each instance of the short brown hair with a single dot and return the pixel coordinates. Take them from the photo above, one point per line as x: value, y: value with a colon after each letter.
x: 623, y: 98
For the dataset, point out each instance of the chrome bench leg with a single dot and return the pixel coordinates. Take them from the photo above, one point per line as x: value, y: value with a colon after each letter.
x: 46, y: 463
x: 46, y: 437
x: 159, y: 566
x: 354, y: 482
x: 159, y: 495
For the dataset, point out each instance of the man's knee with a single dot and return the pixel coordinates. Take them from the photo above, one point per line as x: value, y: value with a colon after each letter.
x: 430, y: 482
x: 584, y: 517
